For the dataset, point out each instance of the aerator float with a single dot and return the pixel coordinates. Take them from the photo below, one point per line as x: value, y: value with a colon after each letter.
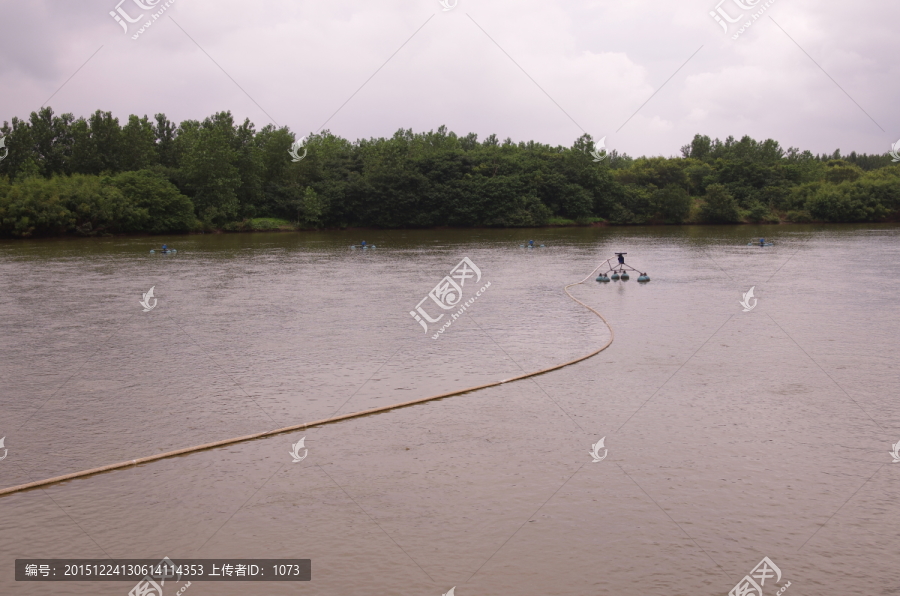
x: 620, y: 271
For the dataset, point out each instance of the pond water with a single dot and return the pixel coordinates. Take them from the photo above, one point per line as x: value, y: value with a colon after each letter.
x: 730, y: 436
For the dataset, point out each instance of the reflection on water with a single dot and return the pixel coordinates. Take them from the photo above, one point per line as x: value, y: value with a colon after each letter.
x: 730, y: 436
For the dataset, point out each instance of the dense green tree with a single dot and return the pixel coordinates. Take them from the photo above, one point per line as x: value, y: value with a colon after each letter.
x: 838, y: 170
x: 159, y: 207
x: 699, y: 149
x: 52, y: 141
x: 138, y: 144
x: 90, y: 205
x: 658, y: 171
x: 218, y: 171
x: 719, y: 206
x: 208, y: 168
x: 33, y: 205
x: 166, y: 148
x: 19, y: 146
x: 672, y: 204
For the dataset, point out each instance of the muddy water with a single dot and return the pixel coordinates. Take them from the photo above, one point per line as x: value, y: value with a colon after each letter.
x: 731, y: 435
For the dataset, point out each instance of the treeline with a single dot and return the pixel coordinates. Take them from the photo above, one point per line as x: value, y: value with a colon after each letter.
x: 94, y: 175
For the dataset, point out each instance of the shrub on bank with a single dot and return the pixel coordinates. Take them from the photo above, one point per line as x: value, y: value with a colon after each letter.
x: 260, y: 224
x: 130, y: 202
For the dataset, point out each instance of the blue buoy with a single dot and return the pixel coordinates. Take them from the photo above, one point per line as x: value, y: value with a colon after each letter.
x: 614, y: 276
x: 602, y: 277
x: 625, y: 276
x: 643, y: 277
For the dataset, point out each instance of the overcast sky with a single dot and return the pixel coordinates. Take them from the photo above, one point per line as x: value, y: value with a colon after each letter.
x: 546, y: 70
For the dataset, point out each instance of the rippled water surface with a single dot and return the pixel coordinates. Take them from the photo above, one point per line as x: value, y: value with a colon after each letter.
x: 731, y: 435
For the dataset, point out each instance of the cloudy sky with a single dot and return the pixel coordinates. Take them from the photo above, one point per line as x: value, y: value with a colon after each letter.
x: 646, y: 74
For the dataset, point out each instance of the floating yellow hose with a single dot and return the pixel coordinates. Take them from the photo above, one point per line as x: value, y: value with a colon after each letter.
x: 269, y: 433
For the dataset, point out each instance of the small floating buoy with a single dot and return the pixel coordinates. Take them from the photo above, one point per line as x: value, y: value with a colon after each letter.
x: 625, y: 276
x: 614, y: 276
x: 643, y: 277
x: 602, y: 277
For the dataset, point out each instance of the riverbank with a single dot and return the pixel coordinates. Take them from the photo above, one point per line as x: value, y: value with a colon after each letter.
x: 275, y: 225
x: 271, y: 224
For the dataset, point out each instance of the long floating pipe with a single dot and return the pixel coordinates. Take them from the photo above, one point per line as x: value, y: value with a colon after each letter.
x: 287, y: 429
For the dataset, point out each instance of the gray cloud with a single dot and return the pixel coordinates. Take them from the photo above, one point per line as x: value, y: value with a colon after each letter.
x: 599, y: 60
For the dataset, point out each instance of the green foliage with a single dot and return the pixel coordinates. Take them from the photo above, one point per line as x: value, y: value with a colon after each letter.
x: 260, y: 224
x: 658, y: 171
x: 838, y: 170
x: 91, y: 205
x: 209, y: 167
x: 312, y: 208
x: 834, y: 205
x: 672, y: 204
x: 162, y: 209
x: 719, y: 206
x: 32, y: 205
x: 760, y: 213
x: 798, y: 217
x: 138, y: 144
x: 581, y: 221
x: 93, y: 175
x: 871, y: 198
